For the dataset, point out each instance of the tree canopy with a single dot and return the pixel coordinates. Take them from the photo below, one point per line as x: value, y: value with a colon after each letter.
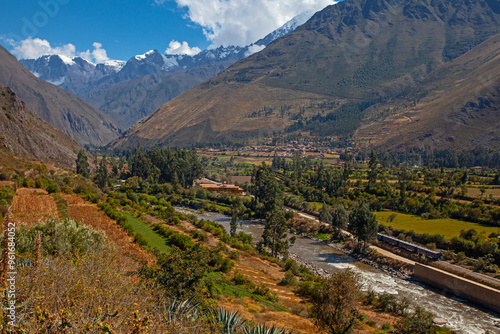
x: 165, y: 165
x: 363, y: 224
x: 82, y: 164
x: 336, y: 301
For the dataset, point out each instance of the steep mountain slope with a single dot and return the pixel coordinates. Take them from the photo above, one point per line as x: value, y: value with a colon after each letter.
x: 321, y: 77
x: 148, y: 81
x: 67, y: 112
x: 457, y: 105
x: 131, y: 100
x: 23, y: 133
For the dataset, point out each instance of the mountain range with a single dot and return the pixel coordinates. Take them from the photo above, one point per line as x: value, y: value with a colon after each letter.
x: 67, y: 112
x: 129, y: 91
x: 385, y: 73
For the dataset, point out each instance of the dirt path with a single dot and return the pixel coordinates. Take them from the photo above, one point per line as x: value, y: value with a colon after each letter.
x: 392, y: 255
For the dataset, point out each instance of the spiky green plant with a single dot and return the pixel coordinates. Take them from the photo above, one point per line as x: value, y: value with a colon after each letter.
x: 231, y: 320
x: 262, y: 329
x: 178, y: 310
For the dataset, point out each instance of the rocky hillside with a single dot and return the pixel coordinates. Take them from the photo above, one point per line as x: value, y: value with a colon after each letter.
x: 67, y: 112
x: 324, y: 78
x: 23, y: 133
x: 457, y: 105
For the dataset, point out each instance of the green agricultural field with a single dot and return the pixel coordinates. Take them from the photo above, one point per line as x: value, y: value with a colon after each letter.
x: 448, y: 227
x: 316, y: 205
x: 154, y: 239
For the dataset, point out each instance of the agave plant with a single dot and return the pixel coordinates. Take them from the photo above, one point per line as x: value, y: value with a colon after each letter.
x: 262, y: 329
x: 177, y: 310
x: 230, y: 320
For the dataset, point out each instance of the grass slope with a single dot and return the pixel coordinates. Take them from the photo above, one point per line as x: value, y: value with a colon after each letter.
x: 153, y: 239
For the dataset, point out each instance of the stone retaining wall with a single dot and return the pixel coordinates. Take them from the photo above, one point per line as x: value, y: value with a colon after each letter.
x: 459, y: 286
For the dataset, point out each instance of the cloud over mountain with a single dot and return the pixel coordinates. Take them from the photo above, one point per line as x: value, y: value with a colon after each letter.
x: 33, y: 48
x: 242, y: 22
x: 178, y: 48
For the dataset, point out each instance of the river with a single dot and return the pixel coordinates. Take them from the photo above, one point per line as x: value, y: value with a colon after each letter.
x: 461, y: 315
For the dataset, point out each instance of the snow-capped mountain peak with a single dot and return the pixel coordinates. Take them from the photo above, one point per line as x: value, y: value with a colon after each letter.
x: 286, y: 28
x: 145, y: 55
x: 117, y: 65
x: 67, y: 60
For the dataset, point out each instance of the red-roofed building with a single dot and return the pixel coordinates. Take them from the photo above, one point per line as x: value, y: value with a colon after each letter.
x: 219, y: 187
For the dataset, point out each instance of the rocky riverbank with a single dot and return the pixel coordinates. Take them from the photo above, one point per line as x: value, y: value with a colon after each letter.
x: 392, y: 268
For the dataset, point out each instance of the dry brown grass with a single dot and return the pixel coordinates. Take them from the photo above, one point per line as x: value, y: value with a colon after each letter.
x: 241, y: 179
x: 72, y: 199
x: 250, y: 310
x: 29, y: 191
x: 269, y: 278
x: 6, y: 184
x: 83, y: 288
x: 30, y: 208
x: 476, y: 192
x: 90, y: 215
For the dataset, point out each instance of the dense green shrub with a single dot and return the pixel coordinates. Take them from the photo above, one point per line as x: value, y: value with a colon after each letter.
x: 240, y: 279
x: 116, y: 215
x: 52, y: 188
x: 234, y: 255
x: 182, y: 241
x: 60, y: 237
x: 226, y: 265
x: 289, y: 279
x: 180, y: 272
x: 6, y: 195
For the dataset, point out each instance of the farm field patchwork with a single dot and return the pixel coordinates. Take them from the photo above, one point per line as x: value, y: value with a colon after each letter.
x: 476, y: 192
x: 448, y: 227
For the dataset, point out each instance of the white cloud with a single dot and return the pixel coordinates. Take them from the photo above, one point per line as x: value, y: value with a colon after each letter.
x: 254, y: 48
x: 8, y: 40
x: 98, y: 55
x: 177, y: 48
x: 242, y: 22
x: 32, y: 48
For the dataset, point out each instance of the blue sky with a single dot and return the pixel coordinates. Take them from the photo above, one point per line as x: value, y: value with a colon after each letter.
x: 122, y: 29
